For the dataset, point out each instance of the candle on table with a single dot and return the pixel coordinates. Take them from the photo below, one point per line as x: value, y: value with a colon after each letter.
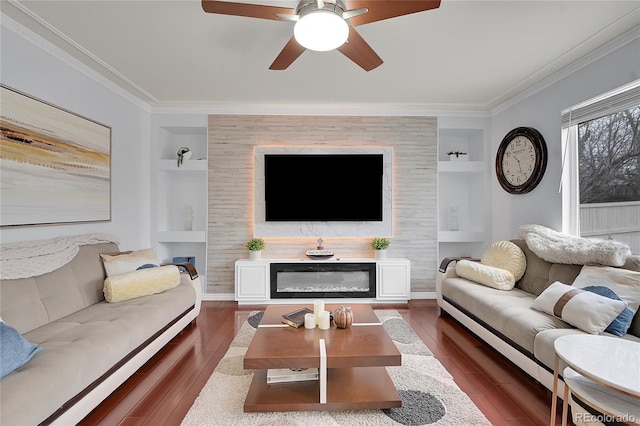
x: 318, y: 306
x: 324, y: 323
x: 309, y: 321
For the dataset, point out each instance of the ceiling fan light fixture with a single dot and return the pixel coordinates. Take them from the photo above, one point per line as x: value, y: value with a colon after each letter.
x: 321, y: 30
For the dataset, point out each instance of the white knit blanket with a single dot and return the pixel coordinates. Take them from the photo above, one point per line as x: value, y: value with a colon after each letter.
x: 556, y: 247
x: 26, y: 259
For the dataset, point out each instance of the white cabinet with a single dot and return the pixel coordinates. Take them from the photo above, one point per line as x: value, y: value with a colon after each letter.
x: 179, y: 192
x: 393, y: 279
x: 252, y: 280
x: 253, y: 285
x: 464, y: 195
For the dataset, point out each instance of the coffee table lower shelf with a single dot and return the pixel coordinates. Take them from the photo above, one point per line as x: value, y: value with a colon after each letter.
x: 357, y: 388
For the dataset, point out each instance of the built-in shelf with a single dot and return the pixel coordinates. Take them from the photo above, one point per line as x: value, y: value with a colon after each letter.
x: 178, y: 190
x: 463, y: 187
x: 462, y: 166
x: 188, y: 165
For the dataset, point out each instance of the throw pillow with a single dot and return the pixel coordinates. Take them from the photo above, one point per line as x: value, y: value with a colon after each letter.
x: 622, y: 322
x: 127, y: 261
x: 505, y: 255
x: 486, y: 275
x: 15, y: 350
x: 140, y: 283
x: 557, y: 247
x: 623, y: 282
x: 585, y: 310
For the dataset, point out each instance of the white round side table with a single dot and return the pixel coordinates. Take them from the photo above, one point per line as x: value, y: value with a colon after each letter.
x: 603, y: 372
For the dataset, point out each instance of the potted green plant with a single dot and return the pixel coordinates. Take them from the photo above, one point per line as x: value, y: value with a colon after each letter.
x: 255, y: 246
x: 380, y: 245
x: 457, y: 156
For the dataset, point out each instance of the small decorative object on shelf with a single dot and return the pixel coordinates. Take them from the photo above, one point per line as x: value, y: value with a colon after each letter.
x: 184, y: 153
x: 188, y: 218
x: 343, y: 317
x: 320, y: 252
x: 380, y: 245
x: 457, y: 156
x: 255, y: 246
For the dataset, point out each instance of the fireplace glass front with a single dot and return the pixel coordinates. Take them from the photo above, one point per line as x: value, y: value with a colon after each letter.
x: 323, y: 280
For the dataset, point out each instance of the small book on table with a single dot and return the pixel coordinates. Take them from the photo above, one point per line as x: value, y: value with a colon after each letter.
x: 296, y: 318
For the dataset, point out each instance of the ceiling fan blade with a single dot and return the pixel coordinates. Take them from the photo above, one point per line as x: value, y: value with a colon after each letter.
x: 348, y: 14
x: 245, y: 9
x: 359, y: 51
x: 384, y: 9
x: 291, y: 51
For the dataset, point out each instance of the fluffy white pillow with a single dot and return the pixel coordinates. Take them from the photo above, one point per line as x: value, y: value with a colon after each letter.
x: 583, y: 309
x: 127, y: 261
x: 486, y: 275
x: 624, y: 283
x: 505, y: 255
x: 557, y: 247
x: 140, y: 283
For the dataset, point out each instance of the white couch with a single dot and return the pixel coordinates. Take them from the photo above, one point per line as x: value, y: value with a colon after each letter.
x: 505, y: 319
x: 90, y: 347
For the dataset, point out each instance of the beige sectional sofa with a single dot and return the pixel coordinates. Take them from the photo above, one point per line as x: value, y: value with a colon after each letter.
x: 89, y: 346
x: 505, y: 319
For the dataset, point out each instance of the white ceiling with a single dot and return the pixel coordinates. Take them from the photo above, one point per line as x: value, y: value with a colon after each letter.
x: 464, y: 55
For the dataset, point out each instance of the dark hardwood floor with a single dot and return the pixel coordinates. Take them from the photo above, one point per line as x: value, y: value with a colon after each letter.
x: 164, y: 389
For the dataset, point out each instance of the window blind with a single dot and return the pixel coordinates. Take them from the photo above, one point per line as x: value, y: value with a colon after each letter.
x: 617, y: 100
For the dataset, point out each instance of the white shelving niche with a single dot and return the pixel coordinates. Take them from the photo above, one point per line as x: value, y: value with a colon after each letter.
x: 178, y: 190
x: 463, y: 188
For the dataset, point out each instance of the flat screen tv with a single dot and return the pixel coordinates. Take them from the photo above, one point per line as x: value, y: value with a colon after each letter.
x: 323, y: 187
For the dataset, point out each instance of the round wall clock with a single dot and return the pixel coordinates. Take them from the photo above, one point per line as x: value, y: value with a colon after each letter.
x: 521, y: 160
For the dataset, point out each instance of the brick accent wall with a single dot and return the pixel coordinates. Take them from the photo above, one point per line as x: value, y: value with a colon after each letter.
x: 231, y: 139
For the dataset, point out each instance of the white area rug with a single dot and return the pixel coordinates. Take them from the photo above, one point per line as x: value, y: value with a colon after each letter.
x: 429, y: 394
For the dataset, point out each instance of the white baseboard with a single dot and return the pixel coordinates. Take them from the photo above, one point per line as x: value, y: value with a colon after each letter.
x: 423, y: 294
x: 218, y: 296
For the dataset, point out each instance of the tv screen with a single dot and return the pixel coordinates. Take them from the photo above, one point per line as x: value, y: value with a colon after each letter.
x: 323, y: 187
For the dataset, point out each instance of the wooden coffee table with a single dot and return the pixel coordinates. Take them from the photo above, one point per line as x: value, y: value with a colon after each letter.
x: 352, y: 371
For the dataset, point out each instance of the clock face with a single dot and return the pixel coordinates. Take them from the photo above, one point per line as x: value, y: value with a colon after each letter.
x: 521, y: 160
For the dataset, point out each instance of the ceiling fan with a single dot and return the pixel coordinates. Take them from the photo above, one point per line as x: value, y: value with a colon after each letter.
x: 326, y: 25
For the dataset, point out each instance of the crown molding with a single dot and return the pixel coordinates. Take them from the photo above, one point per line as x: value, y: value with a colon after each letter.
x: 620, y: 41
x: 411, y: 110
x: 40, y: 42
x: 127, y: 89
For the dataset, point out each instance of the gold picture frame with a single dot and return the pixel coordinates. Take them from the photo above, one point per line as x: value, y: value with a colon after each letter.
x: 55, y: 165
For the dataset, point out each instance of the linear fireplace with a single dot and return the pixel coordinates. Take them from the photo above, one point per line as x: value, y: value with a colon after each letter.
x: 306, y: 280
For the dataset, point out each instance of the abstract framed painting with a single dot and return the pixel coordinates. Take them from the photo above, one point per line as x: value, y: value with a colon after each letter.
x: 55, y: 165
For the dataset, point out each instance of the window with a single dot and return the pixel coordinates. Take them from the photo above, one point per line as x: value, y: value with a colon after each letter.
x: 601, y: 167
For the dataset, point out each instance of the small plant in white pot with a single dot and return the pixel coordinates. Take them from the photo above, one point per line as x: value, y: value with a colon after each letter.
x: 457, y: 156
x: 380, y: 245
x: 255, y: 246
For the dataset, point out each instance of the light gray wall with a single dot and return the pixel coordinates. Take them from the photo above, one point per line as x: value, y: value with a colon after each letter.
x: 542, y: 111
x: 29, y: 65
x: 231, y: 142
x: 25, y: 66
